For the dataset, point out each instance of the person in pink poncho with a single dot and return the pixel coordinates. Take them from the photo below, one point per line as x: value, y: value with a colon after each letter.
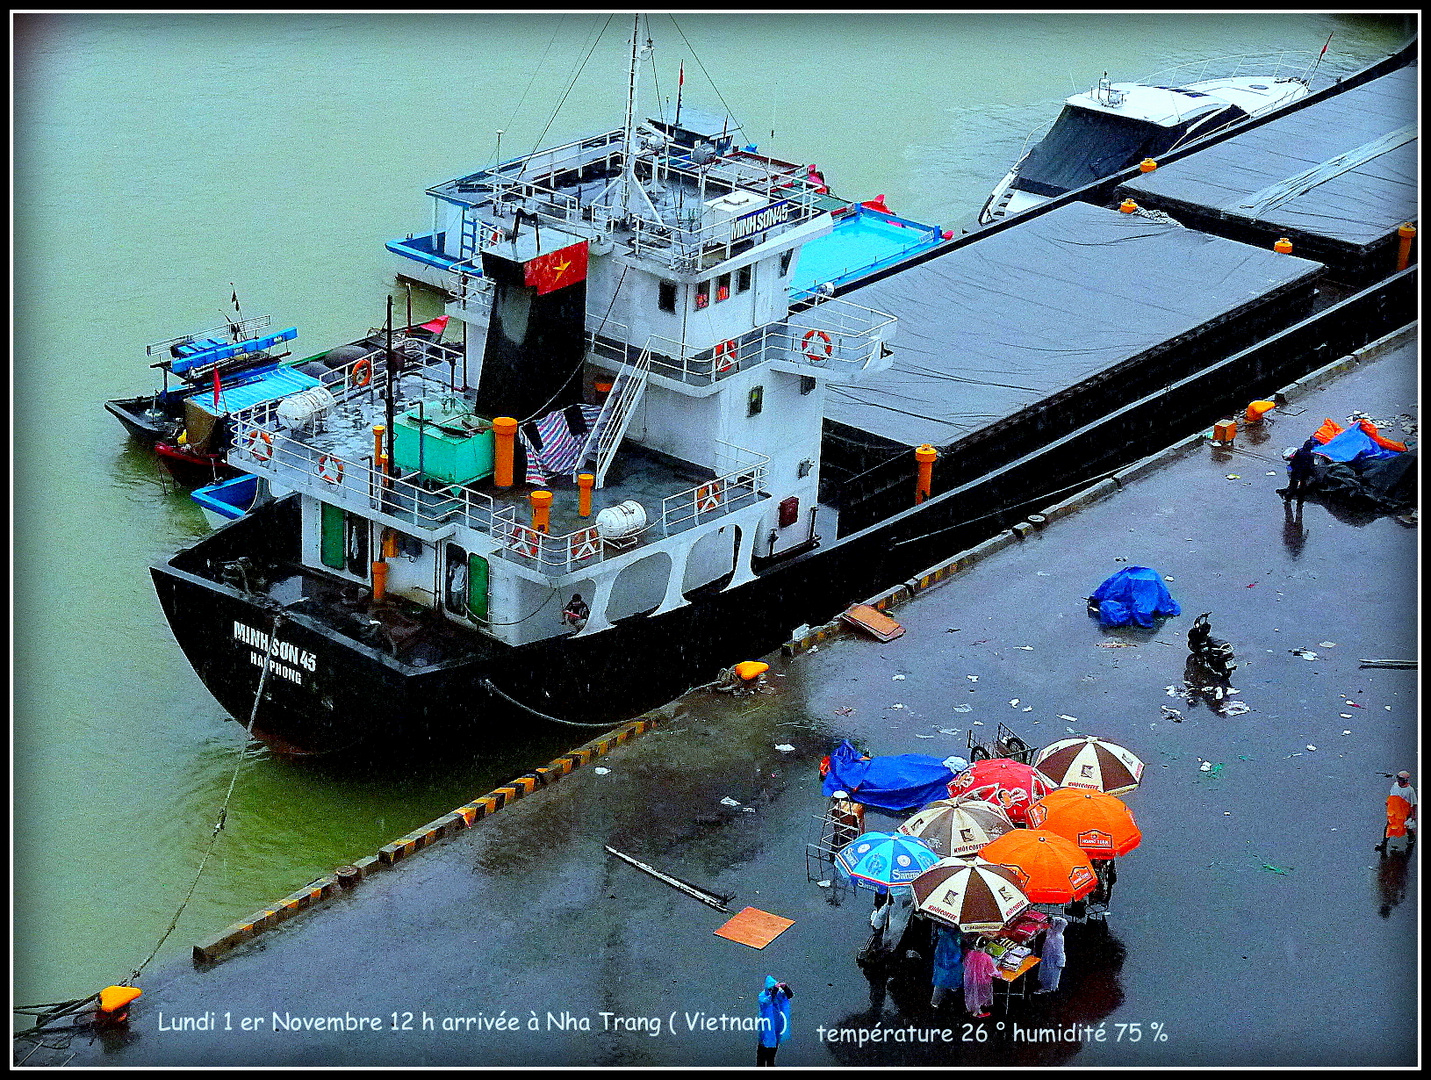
x: 978, y: 982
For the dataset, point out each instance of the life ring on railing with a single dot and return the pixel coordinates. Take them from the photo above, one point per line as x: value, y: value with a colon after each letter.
x: 330, y: 469
x: 814, y: 352
x: 260, y: 444
x: 361, y: 374
x: 585, y: 544
x: 725, y: 355
x: 707, y: 497
x: 524, y: 541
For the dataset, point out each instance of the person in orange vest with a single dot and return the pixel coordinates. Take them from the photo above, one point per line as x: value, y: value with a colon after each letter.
x: 1400, y: 811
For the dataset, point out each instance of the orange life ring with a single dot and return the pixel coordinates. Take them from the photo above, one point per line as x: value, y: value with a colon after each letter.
x: 585, y: 544
x: 330, y: 469
x: 707, y: 497
x: 362, y: 373
x: 815, y: 352
x: 725, y: 355
x: 260, y: 444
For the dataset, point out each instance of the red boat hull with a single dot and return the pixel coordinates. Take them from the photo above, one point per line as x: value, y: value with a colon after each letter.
x: 193, y: 470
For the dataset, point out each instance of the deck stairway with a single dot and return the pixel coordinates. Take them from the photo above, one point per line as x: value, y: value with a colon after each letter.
x: 606, y: 434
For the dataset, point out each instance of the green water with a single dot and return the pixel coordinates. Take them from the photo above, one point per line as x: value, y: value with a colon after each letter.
x: 159, y: 158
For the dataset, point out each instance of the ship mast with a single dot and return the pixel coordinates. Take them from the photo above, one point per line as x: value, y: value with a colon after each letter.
x: 620, y: 191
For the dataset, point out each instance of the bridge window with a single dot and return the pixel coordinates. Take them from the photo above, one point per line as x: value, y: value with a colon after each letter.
x: 785, y: 257
x: 722, y: 288
x: 742, y: 279
x: 666, y: 295
x: 703, y: 295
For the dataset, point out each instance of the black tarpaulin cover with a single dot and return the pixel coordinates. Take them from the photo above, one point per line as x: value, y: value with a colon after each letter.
x: 992, y: 328
x: 1344, y: 168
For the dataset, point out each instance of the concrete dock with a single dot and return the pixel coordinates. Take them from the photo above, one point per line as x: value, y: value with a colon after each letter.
x: 1254, y: 926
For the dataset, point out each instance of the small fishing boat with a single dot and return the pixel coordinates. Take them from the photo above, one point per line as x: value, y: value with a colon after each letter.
x: 1114, y: 126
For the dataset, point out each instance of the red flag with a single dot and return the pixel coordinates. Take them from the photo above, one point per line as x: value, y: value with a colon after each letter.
x: 557, y: 269
x: 1324, y: 47
x: 216, y: 387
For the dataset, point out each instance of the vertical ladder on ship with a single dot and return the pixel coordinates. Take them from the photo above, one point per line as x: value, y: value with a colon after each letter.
x: 615, y: 417
x: 471, y: 229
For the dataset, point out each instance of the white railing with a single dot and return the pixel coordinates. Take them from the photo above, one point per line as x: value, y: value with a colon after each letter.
x: 741, y: 471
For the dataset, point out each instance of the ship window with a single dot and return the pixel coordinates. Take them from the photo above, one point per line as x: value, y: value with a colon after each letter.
x: 703, y: 295
x: 666, y: 295
x: 785, y: 257
x: 756, y: 402
x: 742, y: 279
x: 807, y: 384
x: 722, y: 288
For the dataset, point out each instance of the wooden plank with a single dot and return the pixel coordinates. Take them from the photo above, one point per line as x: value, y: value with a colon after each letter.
x: 875, y: 623
x: 754, y: 927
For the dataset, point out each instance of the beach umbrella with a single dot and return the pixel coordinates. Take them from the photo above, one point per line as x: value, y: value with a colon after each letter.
x: 883, y: 861
x: 1010, y: 785
x: 1100, y: 824
x: 1049, y: 868
x: 1090, y: 763
x: 958, y: 826
x: 971, y: 894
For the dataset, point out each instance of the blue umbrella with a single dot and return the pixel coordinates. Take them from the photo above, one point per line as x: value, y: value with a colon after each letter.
x: 882, y: 861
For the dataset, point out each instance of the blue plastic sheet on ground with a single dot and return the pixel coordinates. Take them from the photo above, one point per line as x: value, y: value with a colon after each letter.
x: 1353, y: 444
x: 1133, y: 596
x: 895, y: 783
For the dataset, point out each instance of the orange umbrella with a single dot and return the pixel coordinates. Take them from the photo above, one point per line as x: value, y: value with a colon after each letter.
x: 1102, y: 825
x: 1050, y: 869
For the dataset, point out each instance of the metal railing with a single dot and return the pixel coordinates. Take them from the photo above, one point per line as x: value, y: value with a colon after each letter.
x: 742, y: 472
x: 230, y: 332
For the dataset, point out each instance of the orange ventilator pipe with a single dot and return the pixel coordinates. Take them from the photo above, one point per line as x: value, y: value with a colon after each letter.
x: 541, y: 510
x: 378, y: 460
x: 380, y: 580
x: 505, y: 429
x: 925, y: 455
x: 584, y: 483
x: 1407, y: 233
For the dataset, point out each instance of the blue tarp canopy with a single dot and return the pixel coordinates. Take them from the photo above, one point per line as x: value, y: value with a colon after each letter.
x: 1351, y: 445
x: 1134, y: 595
x: 896, y: 783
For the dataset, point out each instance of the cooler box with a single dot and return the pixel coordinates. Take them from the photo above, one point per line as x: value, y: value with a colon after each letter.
x: 447, y: 443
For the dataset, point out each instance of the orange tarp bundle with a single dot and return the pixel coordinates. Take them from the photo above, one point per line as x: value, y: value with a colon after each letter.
x: 1329, y: 430
x: 1380, y: 440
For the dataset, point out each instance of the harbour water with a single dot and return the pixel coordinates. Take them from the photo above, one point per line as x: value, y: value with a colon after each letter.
x: 160, y: 158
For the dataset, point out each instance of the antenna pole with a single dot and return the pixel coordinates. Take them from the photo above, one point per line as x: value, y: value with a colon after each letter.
x: 1308, y: 80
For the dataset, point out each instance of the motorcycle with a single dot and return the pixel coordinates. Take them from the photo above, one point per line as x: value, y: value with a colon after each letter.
x: 1212, y: 654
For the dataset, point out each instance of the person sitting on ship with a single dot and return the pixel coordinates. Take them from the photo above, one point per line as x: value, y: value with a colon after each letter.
x: 576, y: 612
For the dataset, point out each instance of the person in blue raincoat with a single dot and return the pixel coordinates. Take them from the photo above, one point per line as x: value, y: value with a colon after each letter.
x: 948, y: 964
x: 775, y: 1019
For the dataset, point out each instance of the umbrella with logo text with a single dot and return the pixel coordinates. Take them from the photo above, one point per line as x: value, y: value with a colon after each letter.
x: 1101, y: 825
x: 1010, y: 785
x: 958, y: 826
x: 1090, y: 763
x: 883, y: 861
x: 1050, y: 869
x: 971, y: 894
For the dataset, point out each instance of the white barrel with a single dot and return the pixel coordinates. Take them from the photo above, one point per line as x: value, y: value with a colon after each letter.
x: 623, y: 519
x: 301, y: 409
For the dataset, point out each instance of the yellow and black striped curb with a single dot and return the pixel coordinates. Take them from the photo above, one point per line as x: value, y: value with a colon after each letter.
x: 463, y: 817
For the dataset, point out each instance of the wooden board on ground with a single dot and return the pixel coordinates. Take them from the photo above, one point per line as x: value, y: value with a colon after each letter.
x: 754, y: 927
x: 873, y: 622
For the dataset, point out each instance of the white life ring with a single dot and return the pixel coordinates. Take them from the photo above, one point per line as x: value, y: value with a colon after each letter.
x: 707, y: 497
x: 260, y: 444
x: 330, y: 469
x: 725, y: 355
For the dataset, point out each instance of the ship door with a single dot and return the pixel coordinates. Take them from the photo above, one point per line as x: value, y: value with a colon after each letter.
x: 466, y: 583
x: 355, y: 544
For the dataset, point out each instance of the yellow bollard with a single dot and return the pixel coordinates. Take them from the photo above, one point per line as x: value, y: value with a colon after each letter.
x: 1147, y: 164
x: 584, y: 483
x: 505, y: 430
x: 1407, y: 233
x: 541, y: 510
x: 925, y: 455
x: 1257, y: 410
x: 1283, y: 246
x: 1127, y: 206
x: 113, y: 1008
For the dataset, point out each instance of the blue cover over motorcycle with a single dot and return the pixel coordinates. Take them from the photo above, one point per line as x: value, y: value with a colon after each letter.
x: 895, y: 783
x: 1134, y: 596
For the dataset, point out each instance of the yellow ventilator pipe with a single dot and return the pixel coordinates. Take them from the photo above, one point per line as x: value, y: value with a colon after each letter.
x: 584, y: 483
x: 505, y: 430
x: 380, y: 580
x: 1283, y: 246
x: 1147, y: 164
x: 1407, y: 233
x: 379, y: 430
x: 925, y: 455
x: 1127, y: 206
x: 541, y: 510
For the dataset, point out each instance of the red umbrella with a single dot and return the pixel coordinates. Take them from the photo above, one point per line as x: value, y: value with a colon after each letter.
x: 1008, y: 784
x: 1102, y: 825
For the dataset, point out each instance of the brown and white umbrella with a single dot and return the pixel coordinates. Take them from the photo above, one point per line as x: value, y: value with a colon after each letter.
x: 971, y: 894
x: 958, y: 826
x: 1090, y: 763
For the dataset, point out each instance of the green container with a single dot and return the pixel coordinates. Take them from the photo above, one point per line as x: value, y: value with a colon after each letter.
x: 448, y: 444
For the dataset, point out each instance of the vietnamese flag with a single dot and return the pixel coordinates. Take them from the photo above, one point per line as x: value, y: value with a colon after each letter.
x: 557, y: 269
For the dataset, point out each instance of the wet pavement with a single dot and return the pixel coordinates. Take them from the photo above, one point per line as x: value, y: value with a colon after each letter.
x: 1254, y: 926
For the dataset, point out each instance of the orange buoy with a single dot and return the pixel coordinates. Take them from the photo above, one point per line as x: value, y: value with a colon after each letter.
x: 1147, y: 164
x: 584, y: 483
x: 1407, y: 233
x: 1283, y: 246
x: 541, y: 510
x: 925, y: 456
x: 505, y: 430
x: 1127, y: 206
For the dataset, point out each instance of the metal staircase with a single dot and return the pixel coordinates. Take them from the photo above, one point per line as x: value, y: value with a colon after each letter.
x: 610, y: 427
